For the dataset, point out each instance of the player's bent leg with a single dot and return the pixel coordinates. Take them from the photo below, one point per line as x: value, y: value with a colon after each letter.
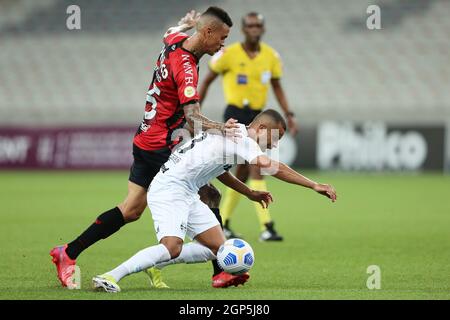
x: 106, y: 224
x: 213, y: 238
x: 191, y: 252
x: 211, y: 196
x: 204, y: 228
x: 216, y: 268
x: 173, y: 245
x: 142, y: 260
x: 135, y: 203
x: 194, y: 252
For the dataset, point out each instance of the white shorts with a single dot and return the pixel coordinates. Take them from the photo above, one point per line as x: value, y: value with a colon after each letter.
x: 177, y: 213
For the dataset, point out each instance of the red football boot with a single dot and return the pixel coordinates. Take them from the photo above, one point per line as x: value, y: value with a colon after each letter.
x: 65, y: 267
x: 224, y: 280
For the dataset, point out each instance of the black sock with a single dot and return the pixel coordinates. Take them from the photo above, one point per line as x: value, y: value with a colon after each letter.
x: 215, y: 265
x: 218, y: 216
x: 106, y: 224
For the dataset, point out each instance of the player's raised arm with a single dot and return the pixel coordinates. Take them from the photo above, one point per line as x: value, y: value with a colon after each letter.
x: 264, y: 133
x: 263, y: 197
x: 186, y: 23
x: 287, y: 174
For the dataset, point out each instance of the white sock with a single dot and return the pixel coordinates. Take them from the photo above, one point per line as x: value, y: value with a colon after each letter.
x: 190, y: 253
x: 142, y: 260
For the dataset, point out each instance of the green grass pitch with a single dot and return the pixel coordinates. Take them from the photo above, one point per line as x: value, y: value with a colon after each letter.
x: 399, y: 222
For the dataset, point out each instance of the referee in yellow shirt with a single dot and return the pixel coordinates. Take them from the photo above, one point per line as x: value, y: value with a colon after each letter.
x: 247, y: 69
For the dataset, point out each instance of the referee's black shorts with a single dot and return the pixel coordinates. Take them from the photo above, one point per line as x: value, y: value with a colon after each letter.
x: 242, y: 115
x: 146, y: 165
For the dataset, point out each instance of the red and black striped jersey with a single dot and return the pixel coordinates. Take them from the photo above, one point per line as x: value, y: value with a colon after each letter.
x: 174, y: 85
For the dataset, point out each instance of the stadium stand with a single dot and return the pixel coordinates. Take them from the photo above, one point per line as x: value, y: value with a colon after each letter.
x: 335, y: 68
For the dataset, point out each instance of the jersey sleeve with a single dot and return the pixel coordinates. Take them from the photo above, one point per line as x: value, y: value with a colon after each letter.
x: 219, y: 62
x: 277, y: 66
x: 185, y: 75
x: 248, y: 149
x: 173, y: 36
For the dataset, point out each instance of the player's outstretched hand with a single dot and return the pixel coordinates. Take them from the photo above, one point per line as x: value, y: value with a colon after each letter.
x: 231, y: 128
x: 190, y: 19
x: 263, y: 197
x: 326, y: 190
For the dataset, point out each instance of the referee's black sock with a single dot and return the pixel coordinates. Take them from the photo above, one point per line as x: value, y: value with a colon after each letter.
x: 215, y: 265
x: 106, y: 224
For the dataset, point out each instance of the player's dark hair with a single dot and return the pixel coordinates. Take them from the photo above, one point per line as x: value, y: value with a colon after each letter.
x: 275, y: 116
x: 252, y: 14
x: 220, y: 14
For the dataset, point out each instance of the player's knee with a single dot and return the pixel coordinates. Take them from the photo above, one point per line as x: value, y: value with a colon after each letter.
x: 175, y: 252
x: 174, y: 246
x: 215, y: 248
x: 210, y: 195
x: 131, y: 214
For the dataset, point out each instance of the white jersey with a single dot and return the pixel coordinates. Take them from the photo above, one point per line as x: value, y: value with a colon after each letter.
x: 205, y: 157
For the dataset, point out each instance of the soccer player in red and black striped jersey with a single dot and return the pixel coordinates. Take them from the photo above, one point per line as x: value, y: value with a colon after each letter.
x: 172, y: 100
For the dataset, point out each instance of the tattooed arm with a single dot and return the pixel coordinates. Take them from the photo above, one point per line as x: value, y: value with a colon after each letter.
x: 198, y: 121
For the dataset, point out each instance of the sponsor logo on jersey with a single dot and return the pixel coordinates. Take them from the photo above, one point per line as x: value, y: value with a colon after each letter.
x: 242, y: 79
x: 189, y: 91
x: 188, y: 71
x: 144, y: 127
x: 265, y: 77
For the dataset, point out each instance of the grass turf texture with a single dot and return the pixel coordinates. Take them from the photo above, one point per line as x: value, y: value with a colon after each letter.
x: 398, y: 222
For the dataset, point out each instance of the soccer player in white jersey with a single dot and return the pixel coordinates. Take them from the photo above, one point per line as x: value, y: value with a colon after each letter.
x: 175, y: 205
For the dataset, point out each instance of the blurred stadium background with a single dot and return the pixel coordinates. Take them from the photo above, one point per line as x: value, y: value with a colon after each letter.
x: 366, y: 100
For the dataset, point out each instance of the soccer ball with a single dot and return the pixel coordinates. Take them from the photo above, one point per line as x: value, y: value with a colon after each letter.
x: 235, y: 256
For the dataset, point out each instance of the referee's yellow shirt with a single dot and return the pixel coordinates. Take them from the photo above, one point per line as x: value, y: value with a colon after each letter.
x: 245, y: 80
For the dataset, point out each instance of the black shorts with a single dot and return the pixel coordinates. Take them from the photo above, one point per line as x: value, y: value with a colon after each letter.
x: 244, y: 116
x: 146, y: 165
